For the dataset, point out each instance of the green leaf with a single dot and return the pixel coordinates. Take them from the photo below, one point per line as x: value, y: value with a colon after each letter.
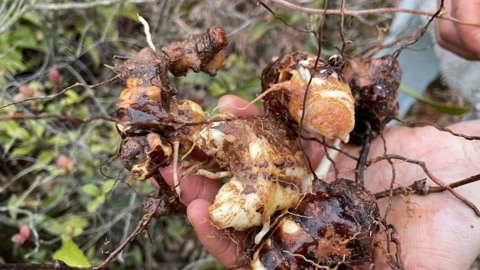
x: 91, y: 189
x: 52, y: 226
x: 36, y: 86
x: 257, y: 30
x: 176, y: 228
x: 216, y: 89
x: 46, y: 157
x: 107, y: 186
x: 92, y: 52
x: 37, y: 128
x: 57, y: 141
x: 23, y: 150
x: 441, y: 107
x: 71, y: 254
x: 93, y: 205
x: 76, y: 221
x: 71, y: 98
x: 12, y: 206
x: 67, y: 225
x: 53, y: 197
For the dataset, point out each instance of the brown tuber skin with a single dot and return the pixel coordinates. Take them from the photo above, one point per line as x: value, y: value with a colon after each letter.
x: 333, y: 226
x: 328, y: 108
x: 204, y: 54
x: 374, y: 84
x: 151, y: 118
x: 328, y: 225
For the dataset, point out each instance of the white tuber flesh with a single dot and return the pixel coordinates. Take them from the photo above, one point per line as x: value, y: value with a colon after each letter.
x: 267, y: 169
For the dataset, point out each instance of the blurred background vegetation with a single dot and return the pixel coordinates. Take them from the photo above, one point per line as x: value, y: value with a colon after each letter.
x: 51, y: 181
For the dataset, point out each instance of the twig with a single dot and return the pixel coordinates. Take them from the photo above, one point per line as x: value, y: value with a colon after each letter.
x: 57, y: 265
x: 372, y: 51
x: 419, y: 187
x: 142, y: 224
x: 436, y: 180
x: 338, y: 149
x: 391, y: 232
x: 356, y: 13
x: 421, y: 34
x: 63, y: 118
x: 82, y: 5
x: 59, y: 93
x: 426, y: 123
x: 359, y: 169
x: 281, y: 19
x: 342, y: 30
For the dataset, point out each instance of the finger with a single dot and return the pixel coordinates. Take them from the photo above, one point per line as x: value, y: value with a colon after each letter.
x: 463, y: 40
x: 215, y: 241
x: 447, y: 37
x: 236, y: 105
x: 447, y: 34
x: 314, y: 152
x: 469, y: 35
x: 193, y: 187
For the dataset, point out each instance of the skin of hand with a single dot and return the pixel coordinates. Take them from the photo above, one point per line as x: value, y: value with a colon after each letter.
x: 436, y: 231
x: 461, y: 39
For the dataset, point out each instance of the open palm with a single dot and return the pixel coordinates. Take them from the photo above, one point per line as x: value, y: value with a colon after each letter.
x: 436, y: 231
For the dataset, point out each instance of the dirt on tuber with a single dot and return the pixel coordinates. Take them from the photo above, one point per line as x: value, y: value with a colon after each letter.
x: 298, y: 226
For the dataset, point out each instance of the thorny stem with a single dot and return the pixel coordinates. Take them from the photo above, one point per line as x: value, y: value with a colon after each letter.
x: 430, y: 175
x: 355, y: 13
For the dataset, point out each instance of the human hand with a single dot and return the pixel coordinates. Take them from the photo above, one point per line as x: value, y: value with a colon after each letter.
x: 461, y: 39
x: 436, y: 231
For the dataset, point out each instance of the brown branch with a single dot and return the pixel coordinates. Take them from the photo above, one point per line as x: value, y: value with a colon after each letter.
x: 59, y: 93
x: 142, y: 224
x: 281, y: 19
x: 421, y: 34
x: 161, y: 203
x: 57, y: 265
x: 436, y: 180
x: 63, y: 118
x: 362, y: 160
x: 355, y: 13
x: 419, y: 187
x: 445, y: 129
x: 372, y: 51
x: 342, y: 30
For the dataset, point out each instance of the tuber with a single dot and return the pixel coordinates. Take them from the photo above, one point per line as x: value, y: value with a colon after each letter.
x: 324, y: 102
x: 152, y: 121
x: 266, y: 167
x: 374, y: 83
x: 260, y: 157
x: 332, y: 226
